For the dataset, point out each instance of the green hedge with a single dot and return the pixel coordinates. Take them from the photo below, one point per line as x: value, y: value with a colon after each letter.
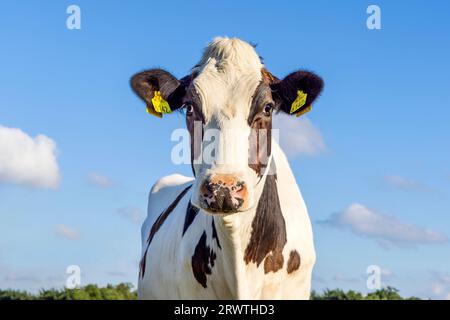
x: 388, y: 293
x: 124, y: 291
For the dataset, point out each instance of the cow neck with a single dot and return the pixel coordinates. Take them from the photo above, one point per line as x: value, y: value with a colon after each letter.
x: 235, y: 235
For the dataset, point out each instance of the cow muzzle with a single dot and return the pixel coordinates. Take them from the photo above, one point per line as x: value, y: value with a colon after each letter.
x: 223, y: 193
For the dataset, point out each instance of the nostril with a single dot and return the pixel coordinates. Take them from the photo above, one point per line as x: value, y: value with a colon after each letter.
x: 239, y: 186
x: 209, y: 187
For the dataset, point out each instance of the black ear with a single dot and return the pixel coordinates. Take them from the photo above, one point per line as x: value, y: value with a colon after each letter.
x: 286, y: 91
x: 172, y: 90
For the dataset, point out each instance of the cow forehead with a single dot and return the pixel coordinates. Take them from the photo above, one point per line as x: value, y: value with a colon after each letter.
x: 227, y: 77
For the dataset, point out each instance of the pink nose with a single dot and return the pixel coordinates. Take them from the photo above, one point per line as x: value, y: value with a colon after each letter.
x: 223, y: 193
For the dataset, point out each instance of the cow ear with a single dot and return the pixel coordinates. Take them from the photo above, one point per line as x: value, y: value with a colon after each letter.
x: 296, y: 93
x: 161, y: 91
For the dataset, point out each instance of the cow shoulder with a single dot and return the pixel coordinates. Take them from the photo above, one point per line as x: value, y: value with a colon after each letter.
x: 165, y: 191
x: 162, y: 195
x: 169, y: 182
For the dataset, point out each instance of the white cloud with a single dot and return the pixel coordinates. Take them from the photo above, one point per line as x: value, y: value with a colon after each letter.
x: 402, y: 182
x: 14, y: 277
x: 386, y: 273
x: 27, y: 161
x: 318, y: 279
x: 387, y: 230
x: 99, y: 180
x: 343, y: 278
x: 116, y: 273
x: 64, y: 231
x: 132, y: 214
x: 31, y: 278
x: 440, y: 286
x: 437, y: 288
x: 298, y: 136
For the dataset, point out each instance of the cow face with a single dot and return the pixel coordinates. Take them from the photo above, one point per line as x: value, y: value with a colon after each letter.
x: 229, y: 99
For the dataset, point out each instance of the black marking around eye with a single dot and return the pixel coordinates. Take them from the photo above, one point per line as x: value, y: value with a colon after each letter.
x: 197, y: 116
x: 261, y: 97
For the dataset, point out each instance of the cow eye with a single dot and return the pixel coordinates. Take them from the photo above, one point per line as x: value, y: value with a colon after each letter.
x: 268, y: 109
x: 189, y: 109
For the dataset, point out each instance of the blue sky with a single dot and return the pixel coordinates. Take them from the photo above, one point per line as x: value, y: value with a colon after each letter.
x: 383, y: 121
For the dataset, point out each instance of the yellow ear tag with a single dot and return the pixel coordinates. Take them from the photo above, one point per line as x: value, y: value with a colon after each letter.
x: 159, y: 104
x: 152, y: 112
x: 307, y: 109
x: 299, y: 101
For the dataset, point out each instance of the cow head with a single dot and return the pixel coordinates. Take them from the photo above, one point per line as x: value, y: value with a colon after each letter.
x: 229, y: 99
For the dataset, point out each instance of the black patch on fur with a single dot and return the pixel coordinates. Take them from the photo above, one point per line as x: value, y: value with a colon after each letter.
x: 214, y: 234
x: 142, y: 263
x: 157, y: 225
x: 202, y: 260
x: 191, y: 213
x: 284, y: 92
x: 268, y: 236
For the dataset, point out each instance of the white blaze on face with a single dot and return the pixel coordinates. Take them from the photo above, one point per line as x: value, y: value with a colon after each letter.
x: 228, y: 75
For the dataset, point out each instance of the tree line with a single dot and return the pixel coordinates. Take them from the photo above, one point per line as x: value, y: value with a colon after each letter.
x: 125, y: 291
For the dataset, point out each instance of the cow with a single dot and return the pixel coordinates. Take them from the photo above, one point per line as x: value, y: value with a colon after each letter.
x: 240, y: 228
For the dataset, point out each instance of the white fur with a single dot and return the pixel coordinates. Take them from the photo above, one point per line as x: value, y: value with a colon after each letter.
x: 229, y: 72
